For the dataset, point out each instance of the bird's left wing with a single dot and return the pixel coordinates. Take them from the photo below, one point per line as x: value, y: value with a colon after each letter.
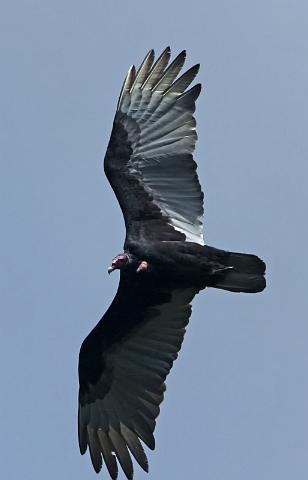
x: 123, y: 365
x: 149, y: 161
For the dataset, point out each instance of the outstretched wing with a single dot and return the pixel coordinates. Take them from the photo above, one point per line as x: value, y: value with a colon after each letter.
x: 149, y: 161
x: 123, y: 364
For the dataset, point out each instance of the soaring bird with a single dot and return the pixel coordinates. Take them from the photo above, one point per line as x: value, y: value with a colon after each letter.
x: 124, y: 361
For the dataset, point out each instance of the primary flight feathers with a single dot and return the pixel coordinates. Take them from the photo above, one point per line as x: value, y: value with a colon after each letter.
x: 151, y: 146
x: 124, y: 361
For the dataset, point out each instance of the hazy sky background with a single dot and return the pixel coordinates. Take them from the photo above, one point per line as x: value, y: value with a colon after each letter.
x: 236, y: 403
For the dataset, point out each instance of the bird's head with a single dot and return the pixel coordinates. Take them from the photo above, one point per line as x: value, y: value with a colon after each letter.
x: 119, y: 262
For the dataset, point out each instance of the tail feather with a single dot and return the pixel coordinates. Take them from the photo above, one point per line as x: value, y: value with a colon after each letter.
x: 241, y: 282
x: 245, y: 263
x: 245, y: 275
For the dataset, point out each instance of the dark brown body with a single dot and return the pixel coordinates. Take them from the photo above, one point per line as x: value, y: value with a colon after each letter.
x: 191, y: 264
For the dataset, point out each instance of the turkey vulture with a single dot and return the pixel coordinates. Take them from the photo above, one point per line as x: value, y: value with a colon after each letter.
x: 124, y: 361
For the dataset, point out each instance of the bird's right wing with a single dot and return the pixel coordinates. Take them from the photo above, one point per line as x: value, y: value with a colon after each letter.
x: 123, y: 365
x: 149, y: 161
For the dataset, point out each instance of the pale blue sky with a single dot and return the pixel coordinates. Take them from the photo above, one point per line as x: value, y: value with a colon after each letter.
x: 236, y: 404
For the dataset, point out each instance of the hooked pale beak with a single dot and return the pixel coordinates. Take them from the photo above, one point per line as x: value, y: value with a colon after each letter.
x: 110, y: 269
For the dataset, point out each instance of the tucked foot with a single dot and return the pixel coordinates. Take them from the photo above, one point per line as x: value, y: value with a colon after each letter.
x: 143, y: 266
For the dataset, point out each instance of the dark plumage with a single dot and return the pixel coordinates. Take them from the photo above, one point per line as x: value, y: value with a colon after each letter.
x: 124, y: 361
